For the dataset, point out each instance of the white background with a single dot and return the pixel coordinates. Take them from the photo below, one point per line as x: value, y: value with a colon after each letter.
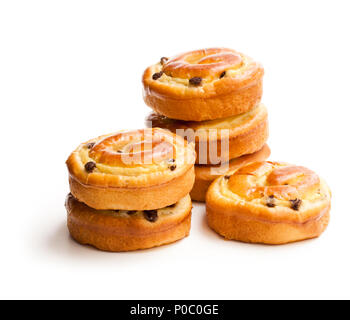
x: 71, y: 70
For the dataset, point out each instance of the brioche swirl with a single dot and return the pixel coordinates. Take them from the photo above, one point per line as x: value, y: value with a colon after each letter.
x: 132, y: 170
x: 204, y: 84
x: 269, y: 202
x: 131, y: 158
x: 258, y: 182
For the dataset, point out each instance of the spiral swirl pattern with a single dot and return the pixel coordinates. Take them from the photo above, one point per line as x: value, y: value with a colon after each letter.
x: 294, y: 191
x: 203, y: 63
x: 131, y: 158
x: 273, y: 180
x: 135, y: 148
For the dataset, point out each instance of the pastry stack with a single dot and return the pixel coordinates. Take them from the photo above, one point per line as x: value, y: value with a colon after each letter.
x: 210, y: 97
x: 130, y: 190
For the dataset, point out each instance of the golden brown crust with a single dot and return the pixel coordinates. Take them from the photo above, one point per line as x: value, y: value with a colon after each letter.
x: 200, y: 189
x: 205, y: 175
x: 219, y: 95
x: 242, y: 134
x: 269, y: 202
x: 120, y: 231
x: 144, y: 198
x: 254, y: 231
x: 138, y: 170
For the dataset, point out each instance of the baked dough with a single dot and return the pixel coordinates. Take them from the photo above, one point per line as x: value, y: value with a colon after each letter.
x: 128, y: 230
x: 205, y: 175
x: 204, y: 84
x: 220, y: 140
x: 132, y: 170
x: 269, y: 202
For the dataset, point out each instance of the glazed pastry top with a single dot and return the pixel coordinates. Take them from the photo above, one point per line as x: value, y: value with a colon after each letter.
x: 205, y: 63
x: 206, y: 72
x: 136, y: 158
x: 286, y: 190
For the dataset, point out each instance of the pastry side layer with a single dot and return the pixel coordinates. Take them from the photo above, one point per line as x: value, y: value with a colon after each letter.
x: 235, y: 227
x: 220, y: 140
x: 143, y: 198
x: 128, y: 230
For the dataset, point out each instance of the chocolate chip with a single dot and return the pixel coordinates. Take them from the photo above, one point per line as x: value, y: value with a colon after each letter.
x: 163, y: 60
x: 151, y: 215
x: 119, y: 151
x: 131, y: 212
x: 90, y: 145
x: 270, y: 202
x: 222, y: 74
x: 173, y: 167
x: 90, y: 166
x: 171, y: 160
x: 295, y: 204
x: 157, y: 75
x: 227, y: 177
x: 196, y: 81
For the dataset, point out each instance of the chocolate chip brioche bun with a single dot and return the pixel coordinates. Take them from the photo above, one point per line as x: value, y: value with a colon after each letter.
x: 220, y: 140
x: 132, y: 170
x: 121, y: 230
x: 205, y: 175
x: 269, y: 202
x: 203, y: 85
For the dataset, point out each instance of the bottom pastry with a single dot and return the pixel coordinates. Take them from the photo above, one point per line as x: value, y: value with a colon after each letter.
x: 121, y: 230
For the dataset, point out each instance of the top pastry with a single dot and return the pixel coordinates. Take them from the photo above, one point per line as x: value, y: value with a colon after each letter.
x: 132, y: 170
x: 204, y: 84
